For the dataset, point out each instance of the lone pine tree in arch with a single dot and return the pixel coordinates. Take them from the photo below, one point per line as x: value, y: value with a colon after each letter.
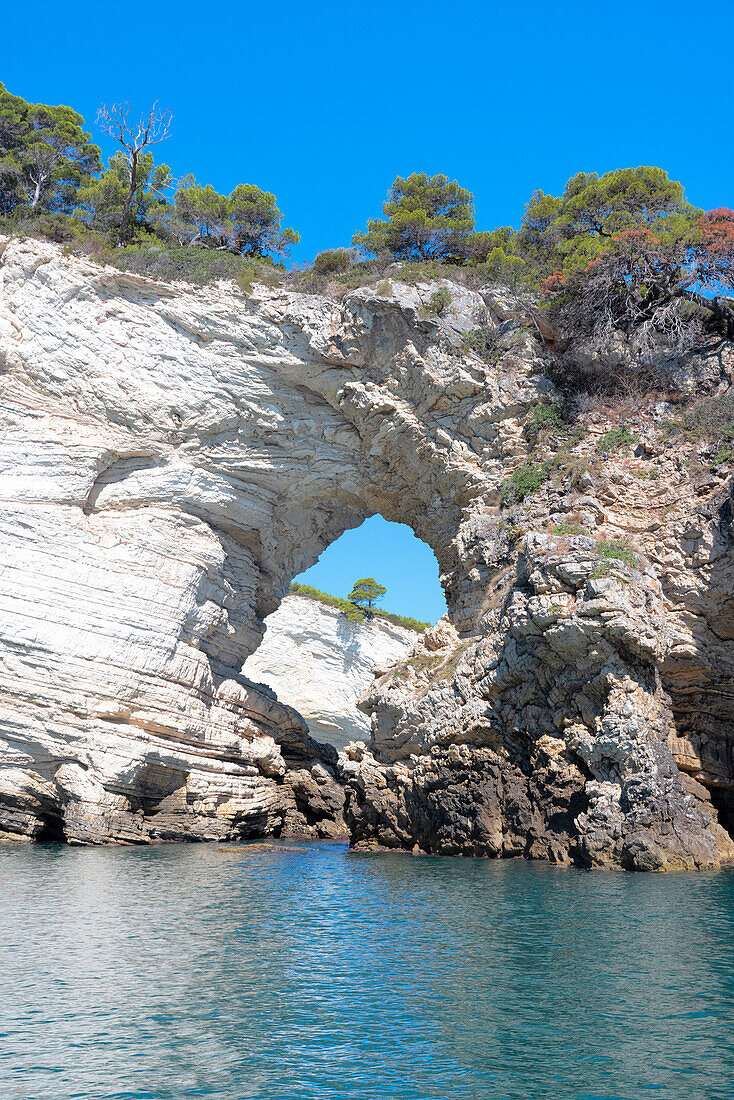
x: 365, y: 593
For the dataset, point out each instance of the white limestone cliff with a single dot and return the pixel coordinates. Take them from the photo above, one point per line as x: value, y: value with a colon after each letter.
x: 171, y: 457
x: 319, y: 662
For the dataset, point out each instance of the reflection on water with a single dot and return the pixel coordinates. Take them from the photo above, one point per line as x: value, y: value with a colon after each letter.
x: 291, y: 974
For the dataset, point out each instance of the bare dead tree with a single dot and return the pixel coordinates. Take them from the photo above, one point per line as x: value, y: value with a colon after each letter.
x: 43, y: 159
x: 134, y: 137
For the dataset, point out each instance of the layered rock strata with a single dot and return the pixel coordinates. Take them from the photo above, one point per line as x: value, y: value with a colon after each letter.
x: 172, y: 457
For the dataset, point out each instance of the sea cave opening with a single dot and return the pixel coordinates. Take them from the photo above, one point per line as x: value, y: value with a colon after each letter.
x: 317, y: 656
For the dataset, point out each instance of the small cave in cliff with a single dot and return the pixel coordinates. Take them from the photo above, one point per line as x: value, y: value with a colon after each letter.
x: 51, y: 831
x: 317, y: 658
x: 702, y: 743
x: 723, y: 802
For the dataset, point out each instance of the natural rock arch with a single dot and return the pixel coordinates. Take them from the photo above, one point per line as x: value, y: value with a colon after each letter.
x: 318, y: 657
x: 174, y: 456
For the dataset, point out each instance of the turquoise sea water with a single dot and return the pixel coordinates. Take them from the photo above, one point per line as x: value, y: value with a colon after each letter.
x: 308, y: 972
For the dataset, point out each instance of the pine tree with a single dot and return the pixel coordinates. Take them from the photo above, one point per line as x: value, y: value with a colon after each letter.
x: 365, y: 593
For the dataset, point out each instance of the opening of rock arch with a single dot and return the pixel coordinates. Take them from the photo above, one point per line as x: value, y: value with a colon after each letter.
x: 321, y: 652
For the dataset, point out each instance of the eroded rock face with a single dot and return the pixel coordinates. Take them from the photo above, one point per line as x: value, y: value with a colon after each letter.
x: 318, y: 660
x: 546, y: 737
x: 172, y: 457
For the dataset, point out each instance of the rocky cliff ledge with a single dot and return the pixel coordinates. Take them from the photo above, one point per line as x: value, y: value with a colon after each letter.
x: 320, y: 662
x: 172, y: 457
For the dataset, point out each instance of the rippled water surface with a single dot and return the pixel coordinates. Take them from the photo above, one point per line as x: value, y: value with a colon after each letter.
x: 309, y: 972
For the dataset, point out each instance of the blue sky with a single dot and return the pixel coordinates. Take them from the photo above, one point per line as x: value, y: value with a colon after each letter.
x: 390, y: 553
x: 324, y: 104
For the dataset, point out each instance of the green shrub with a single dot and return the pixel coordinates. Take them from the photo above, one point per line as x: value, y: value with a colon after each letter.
x: 332, y: 261
x: 196, y: 265
x: 483, y: 342
x: 425, y: 271
x: 523, y: 481
x: 605, y: 569
x: 616, y: 438
x: 711, y: 419
x: 439, y: 302
x: 58, y: 227
x: 620, y: 551
x: 403, y: 620
x: 569, y: 529
x: 543, y: 418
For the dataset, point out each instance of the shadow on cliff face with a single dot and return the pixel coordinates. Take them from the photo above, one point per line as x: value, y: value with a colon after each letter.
x: 51, y: 831
x: 699, y: 678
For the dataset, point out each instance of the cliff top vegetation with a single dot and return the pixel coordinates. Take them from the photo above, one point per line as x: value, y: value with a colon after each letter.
x: 621, y: 253
x: 348, y: 607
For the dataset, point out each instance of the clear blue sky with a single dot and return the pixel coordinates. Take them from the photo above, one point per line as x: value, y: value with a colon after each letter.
x: 390, y: 553
x: 324, y: 104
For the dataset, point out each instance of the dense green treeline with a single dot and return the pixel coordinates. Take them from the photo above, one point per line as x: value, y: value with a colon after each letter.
x: 45, y: 156
x: 622, y: 252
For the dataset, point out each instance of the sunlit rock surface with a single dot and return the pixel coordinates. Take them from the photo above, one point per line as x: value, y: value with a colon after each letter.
x: 171, y: 458
x: 318, y: 661
x: 545, y: 737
